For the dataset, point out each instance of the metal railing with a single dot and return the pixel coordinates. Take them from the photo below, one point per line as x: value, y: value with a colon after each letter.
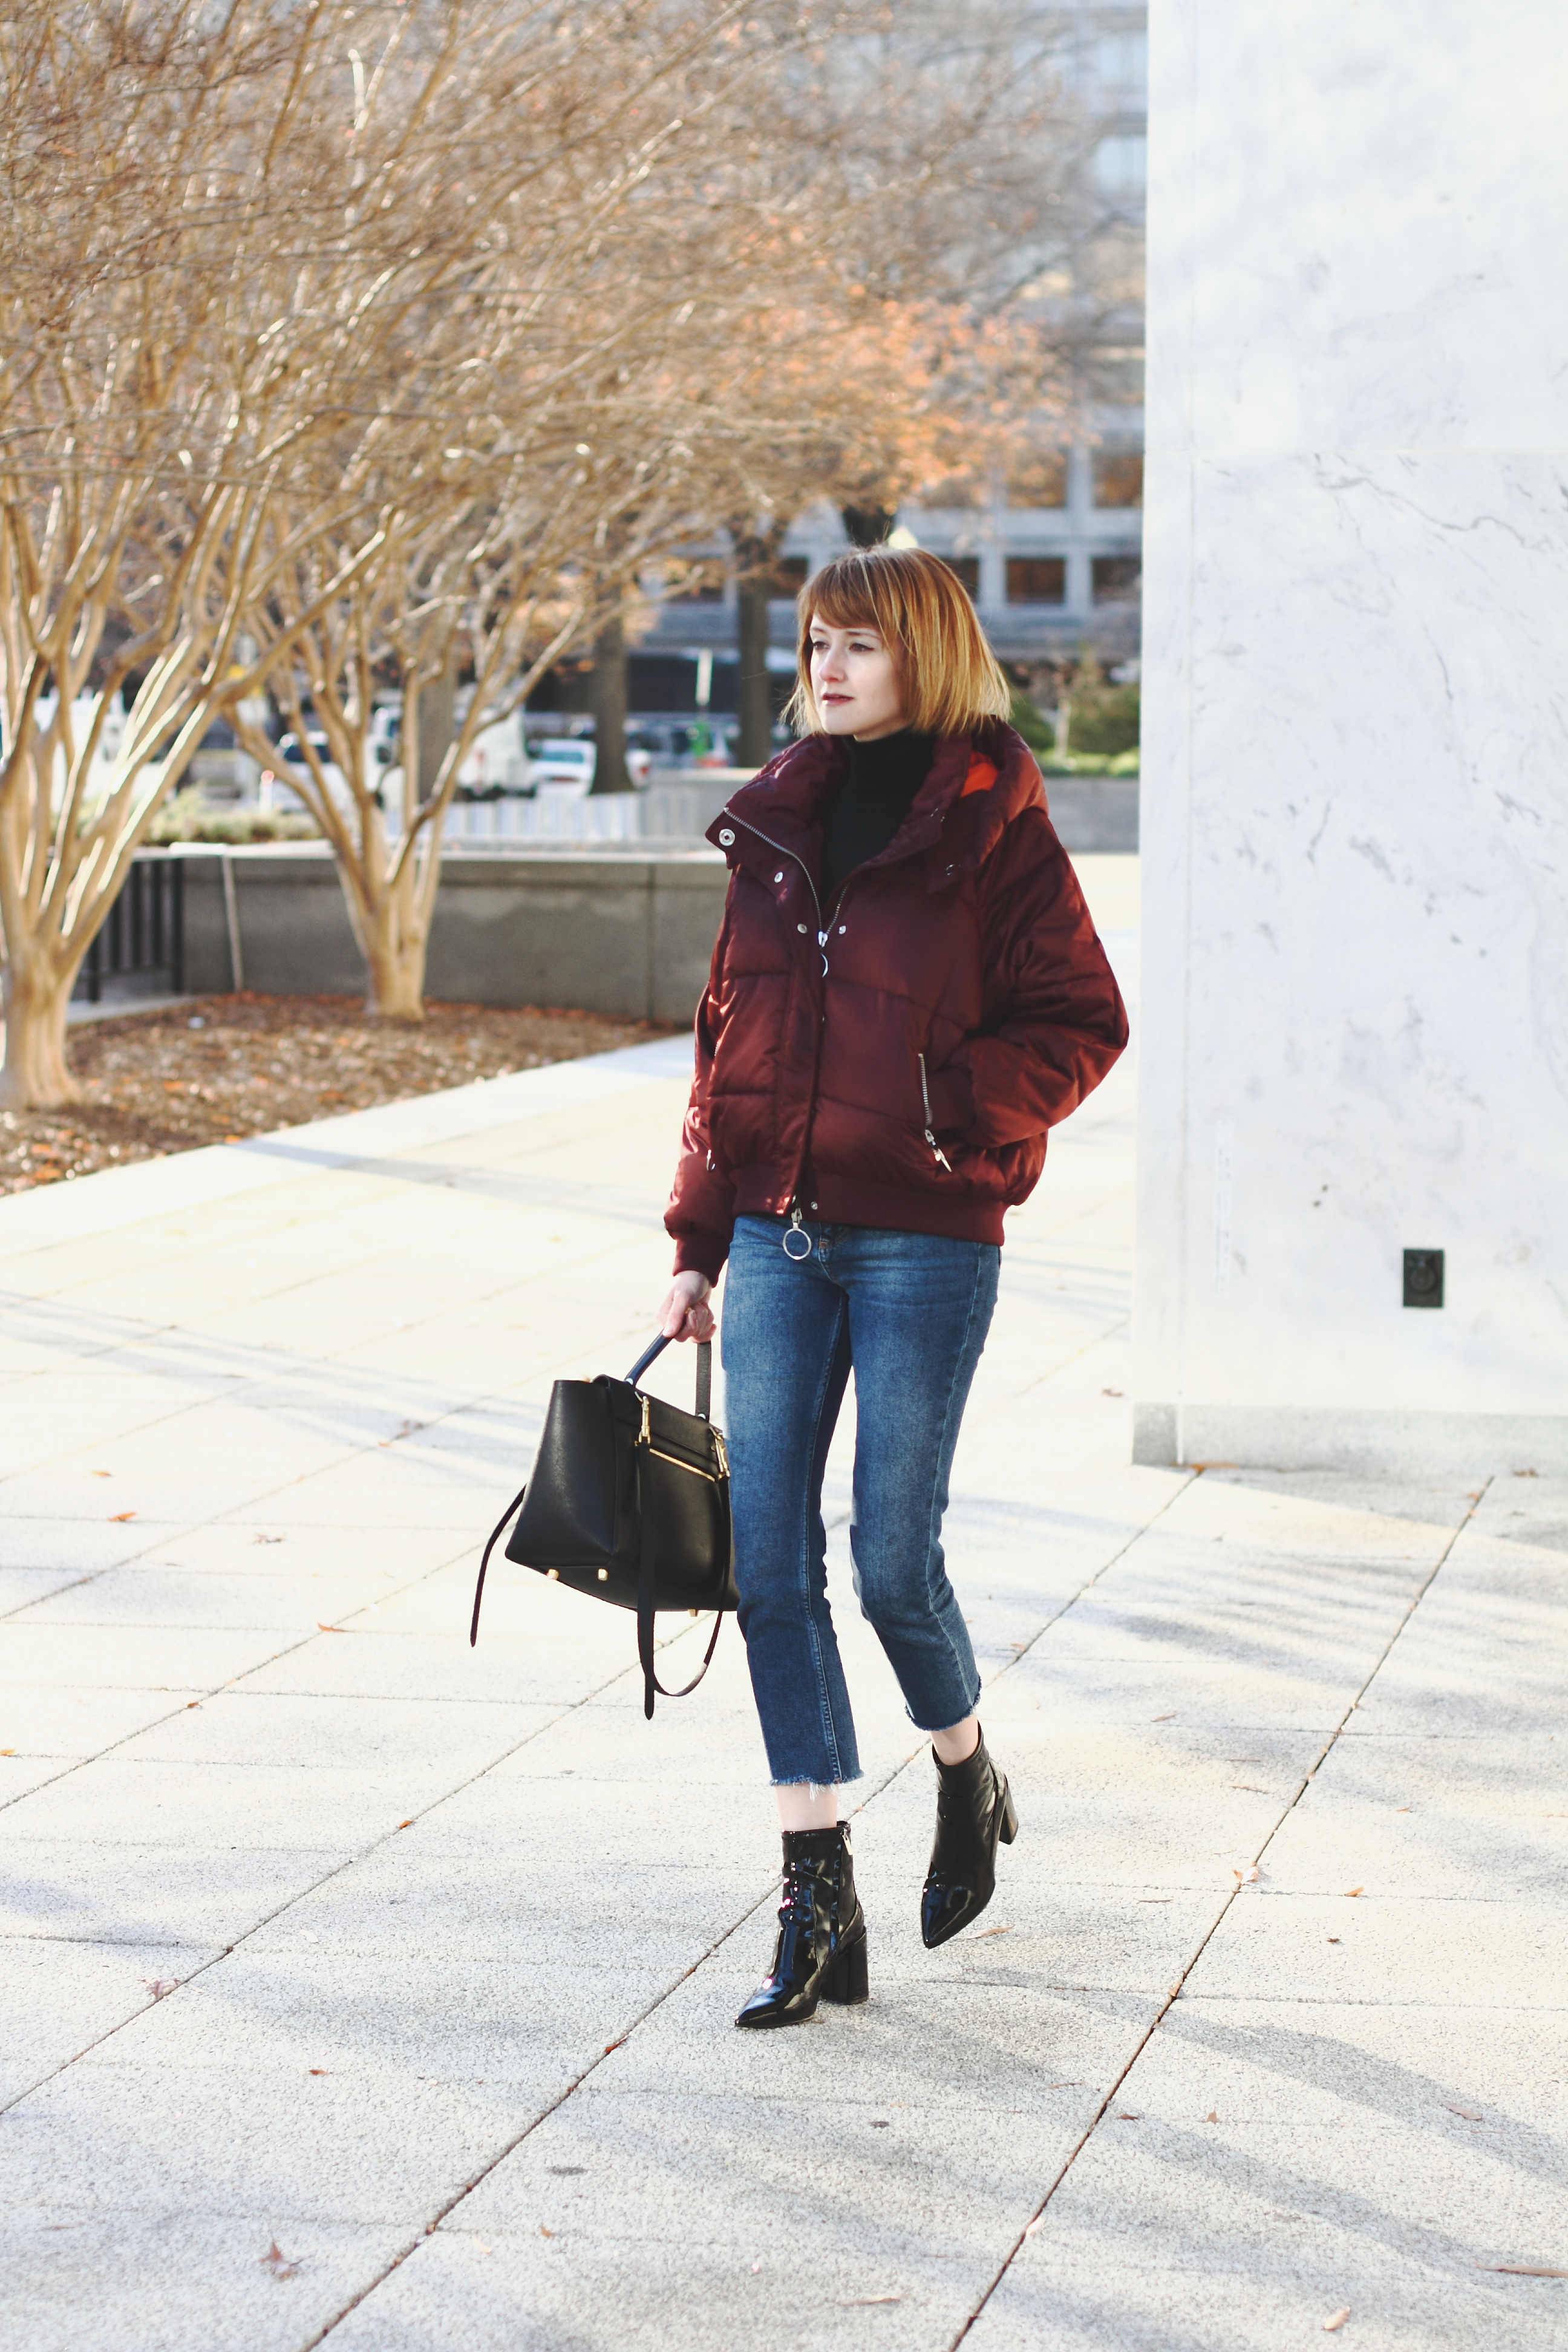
x: 144, y: 930
x: 676, y: 812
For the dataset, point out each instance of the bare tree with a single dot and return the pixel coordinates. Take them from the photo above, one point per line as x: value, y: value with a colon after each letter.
x: 574, y: 378
x: 200, y: 272
x: 500, y: 582
x: 589, y: 373
x: 141, y: 420
x: 233, y: 241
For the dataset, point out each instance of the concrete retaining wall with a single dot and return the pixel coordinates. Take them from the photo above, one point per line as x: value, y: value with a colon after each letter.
x: 1094, y: 813
x: 625, y: 933
x: 623, y: 928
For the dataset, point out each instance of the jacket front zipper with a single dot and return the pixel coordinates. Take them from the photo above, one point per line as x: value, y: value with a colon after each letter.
x: 816, y: 1059
x: 942, y: 1160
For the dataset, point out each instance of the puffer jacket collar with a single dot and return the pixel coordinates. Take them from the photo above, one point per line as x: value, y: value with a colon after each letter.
x: 976, y: 785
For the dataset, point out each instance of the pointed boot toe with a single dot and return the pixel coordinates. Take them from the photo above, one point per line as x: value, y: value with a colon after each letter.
x: 820, y: 1954
x: 944, y: 1909
x: 975, y: 1813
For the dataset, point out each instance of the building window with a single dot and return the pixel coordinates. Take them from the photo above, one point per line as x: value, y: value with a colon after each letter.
x: 1036, y: 579
x: 1118, y: 477
x: 967, y: 568
x: 1039, y: 479
x: 1122, y: 63
x: 1121, y: 164
x: 1116, y: 578
x: 703, y: 582
x: 789, y: 576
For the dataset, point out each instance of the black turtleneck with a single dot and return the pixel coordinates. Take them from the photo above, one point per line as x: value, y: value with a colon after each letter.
x: 871, y: 802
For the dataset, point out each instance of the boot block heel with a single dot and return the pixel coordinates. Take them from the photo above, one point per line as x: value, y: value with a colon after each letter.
x: 1009, y: 1829
x: 848, y: 1980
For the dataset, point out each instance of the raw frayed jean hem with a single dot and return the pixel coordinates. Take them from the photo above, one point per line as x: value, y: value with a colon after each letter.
x: 798, y: 1780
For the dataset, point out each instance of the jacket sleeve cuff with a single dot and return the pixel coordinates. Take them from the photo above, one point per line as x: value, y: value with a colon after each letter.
x: 702, y: 1253
x: 951, y: 1100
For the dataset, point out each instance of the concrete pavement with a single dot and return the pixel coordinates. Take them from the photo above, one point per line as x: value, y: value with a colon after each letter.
x: 358, y: 1986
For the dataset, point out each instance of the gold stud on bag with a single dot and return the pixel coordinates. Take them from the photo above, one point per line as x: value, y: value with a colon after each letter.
x: 628, y: 1501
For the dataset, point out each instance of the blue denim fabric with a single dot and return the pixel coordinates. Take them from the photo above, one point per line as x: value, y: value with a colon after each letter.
x: 910, y: 1312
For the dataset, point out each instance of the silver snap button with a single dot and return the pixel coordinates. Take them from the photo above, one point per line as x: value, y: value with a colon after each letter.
x: 726, y: 838
x: 842, y: 928
x: 778, y: 877
x: 800, y: 926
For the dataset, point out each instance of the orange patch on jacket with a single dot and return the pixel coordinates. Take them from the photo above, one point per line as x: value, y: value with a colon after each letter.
x: 981, y: 777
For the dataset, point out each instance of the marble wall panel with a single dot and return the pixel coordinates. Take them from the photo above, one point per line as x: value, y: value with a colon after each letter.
x: 1355, y: 769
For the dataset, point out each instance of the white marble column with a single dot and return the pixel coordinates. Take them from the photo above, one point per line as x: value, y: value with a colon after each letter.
x: 1355, y: 765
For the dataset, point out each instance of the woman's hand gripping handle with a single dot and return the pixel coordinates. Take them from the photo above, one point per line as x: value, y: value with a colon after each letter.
x: 686, y: 1314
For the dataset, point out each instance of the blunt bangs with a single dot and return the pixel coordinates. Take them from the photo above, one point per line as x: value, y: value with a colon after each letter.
x: 948, y: 675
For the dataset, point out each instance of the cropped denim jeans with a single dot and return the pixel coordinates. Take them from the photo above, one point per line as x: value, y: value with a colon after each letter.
x: 909, y: 1313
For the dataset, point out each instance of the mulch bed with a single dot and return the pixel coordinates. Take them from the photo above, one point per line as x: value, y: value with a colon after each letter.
x: 223, y: 1067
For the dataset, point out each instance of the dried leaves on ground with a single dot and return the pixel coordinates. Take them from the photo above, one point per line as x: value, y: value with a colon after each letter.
x: 222, y: 1068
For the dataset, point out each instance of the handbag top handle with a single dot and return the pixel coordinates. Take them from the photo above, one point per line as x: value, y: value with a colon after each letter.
x: 704, y: 1371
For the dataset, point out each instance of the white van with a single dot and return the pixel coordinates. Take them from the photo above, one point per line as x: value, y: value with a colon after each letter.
x: 497, y: 762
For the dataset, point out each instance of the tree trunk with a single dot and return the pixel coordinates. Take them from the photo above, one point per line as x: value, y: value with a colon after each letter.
x: 756, y: 734
x: 35, y: 1074
x: 756, y: 553
x: 607, y: 695
x: 867, y: 526
x: 394, y: 936
x: 437, y: 725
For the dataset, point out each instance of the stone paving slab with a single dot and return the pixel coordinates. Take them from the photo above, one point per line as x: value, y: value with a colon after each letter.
x: 80, y: 2278
x: 187, y: 1893
x: 888, y: 2182
x: 519, y: 2292
x: 511, y: 1922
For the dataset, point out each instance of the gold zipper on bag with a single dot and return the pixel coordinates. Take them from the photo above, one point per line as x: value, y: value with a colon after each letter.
x: 714, y: 1477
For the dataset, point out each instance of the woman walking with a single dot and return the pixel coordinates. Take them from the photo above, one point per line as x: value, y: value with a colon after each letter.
x: 906, y: 993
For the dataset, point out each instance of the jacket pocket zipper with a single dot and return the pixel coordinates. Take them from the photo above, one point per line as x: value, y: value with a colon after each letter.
x: 942, y: 1160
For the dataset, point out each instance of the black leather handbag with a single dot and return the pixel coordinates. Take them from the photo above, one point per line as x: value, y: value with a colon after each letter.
x: 628, y: 1501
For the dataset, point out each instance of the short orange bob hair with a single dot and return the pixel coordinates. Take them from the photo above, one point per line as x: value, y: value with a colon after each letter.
x: 921, y: 609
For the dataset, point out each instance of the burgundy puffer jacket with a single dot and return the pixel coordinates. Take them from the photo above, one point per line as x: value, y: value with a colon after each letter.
x: 905, y: 1055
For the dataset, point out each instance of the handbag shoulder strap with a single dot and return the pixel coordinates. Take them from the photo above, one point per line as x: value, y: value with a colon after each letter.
x: 646, y: 1555
x: 496, y: 1534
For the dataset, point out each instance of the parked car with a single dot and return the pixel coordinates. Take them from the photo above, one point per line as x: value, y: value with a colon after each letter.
x: 563, y: 764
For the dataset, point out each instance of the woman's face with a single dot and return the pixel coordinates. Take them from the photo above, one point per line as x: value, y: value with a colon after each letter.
x: 854, y: 682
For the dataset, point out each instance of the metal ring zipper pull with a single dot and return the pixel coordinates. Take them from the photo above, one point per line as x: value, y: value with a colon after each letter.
x: 797, y: 1233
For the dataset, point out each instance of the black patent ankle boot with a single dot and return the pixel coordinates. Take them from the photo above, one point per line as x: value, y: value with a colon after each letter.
x: 821, y: 1950
x: 974, y: 1808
